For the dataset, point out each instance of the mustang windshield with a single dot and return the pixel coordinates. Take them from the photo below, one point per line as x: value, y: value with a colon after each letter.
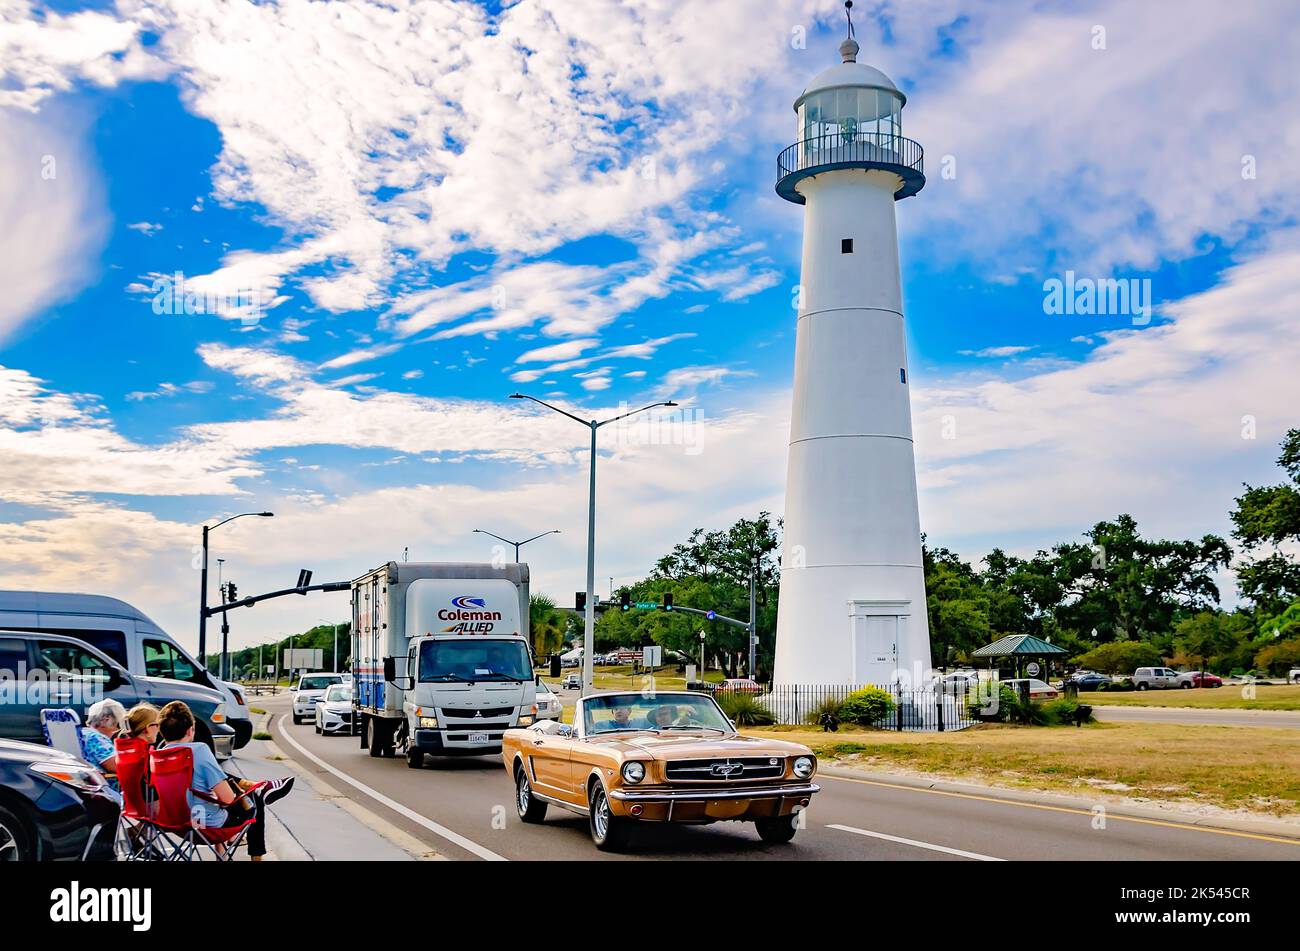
x: 634, y: 711
x: 474, y: 659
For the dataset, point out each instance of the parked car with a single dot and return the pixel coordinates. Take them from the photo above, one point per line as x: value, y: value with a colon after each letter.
x: 701, y: 686
x: 1038, y: 689
x: 1293, y: 675
x: 549, y: 706
x: 334, y: 711
x: 55, y: 807
x: 67, y: 672
x: 1197, y: 678
x: 670, y: 756
x: 127, y: 636
x: 740, y: 685
x: 309, y: 691
x: 573, y: 682
x: 1087, y: 680
x: 1157, y: 678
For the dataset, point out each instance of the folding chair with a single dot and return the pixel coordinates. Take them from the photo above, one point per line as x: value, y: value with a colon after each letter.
x: 171, y: 773
x: 62, y: 729
x: 139, y: 838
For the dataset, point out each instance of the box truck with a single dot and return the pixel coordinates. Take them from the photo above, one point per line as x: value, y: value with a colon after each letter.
x: 441, y: 662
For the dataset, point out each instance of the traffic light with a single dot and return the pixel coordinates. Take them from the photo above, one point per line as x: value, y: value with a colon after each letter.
x: 232, y: 593
x: 580, y: 601
x: 668, y: 600
x: 625, y: 599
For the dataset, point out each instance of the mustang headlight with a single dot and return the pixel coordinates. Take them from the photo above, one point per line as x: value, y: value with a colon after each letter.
x: 633, y: 772
x: 804, y: 766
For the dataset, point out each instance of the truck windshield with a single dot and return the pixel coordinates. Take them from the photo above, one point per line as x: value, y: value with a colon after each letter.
x: 474, y: 659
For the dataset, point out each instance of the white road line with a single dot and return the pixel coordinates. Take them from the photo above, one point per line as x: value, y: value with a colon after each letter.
x: 439, y: 830
x: 919, y: 845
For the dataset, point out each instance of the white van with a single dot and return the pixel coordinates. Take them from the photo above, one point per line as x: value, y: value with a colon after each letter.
x: 124, y: 633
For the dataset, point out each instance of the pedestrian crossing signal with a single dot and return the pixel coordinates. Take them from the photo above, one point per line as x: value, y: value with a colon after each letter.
x: 668, y: 601
x: 625, y: 600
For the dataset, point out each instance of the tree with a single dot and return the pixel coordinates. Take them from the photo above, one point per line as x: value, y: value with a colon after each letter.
x: 1265, y: 518
x: 546, y: 624
x: 1120, y: 657
x: 1210, y: 637
x: 1279, y: 657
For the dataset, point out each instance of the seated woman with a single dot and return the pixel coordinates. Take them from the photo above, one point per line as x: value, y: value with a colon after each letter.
x: 142, y: 723
x: 104, y: 720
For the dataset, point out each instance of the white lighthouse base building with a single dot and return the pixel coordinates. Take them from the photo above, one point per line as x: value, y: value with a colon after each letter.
x: 852, y: 605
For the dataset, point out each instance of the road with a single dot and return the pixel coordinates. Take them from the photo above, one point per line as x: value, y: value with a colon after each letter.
x: 1287, y: 719
x: 463, y: 808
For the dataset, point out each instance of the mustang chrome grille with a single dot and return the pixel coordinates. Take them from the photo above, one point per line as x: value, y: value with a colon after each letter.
x: 725, y: 770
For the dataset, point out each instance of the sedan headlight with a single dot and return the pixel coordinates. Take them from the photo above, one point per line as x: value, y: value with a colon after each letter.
x: 804, y: 766
x: 78, y: 776
x: 633, y: 772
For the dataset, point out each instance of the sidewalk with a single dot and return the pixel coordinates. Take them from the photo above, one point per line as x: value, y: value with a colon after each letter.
x: 309, y: 825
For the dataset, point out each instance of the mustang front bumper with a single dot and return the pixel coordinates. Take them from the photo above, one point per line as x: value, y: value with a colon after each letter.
x: 708, y: 805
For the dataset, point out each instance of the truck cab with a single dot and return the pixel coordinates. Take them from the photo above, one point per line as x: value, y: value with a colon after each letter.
x: 462, y: 692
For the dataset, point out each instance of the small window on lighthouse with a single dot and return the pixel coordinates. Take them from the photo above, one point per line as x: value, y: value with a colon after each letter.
x: 902, y: 375
x: 846, y: 246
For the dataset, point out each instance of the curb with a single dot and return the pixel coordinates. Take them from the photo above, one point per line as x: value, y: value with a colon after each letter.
x: 1116, y: 805
x: 408, y: 843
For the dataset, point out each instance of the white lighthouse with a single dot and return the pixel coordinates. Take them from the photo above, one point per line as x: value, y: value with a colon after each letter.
x: 852, y: 604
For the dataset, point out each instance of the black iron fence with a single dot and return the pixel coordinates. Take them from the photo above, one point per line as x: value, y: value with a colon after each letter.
x: 928, y: 708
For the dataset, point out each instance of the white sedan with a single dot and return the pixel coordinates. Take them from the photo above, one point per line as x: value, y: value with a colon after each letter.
x: 334, y: 711
x: 548, y: 703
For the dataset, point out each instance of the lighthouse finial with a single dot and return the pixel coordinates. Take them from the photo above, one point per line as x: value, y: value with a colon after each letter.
x: 849, y: 48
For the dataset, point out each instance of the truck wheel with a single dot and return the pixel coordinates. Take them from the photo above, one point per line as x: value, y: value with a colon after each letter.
x: 1142, y: 686
x: 609, y: 832
x: 372, y: 742
x: 297, y: 720
x: 414, y: 755
x: 777, y: 830
x: 529, y: 807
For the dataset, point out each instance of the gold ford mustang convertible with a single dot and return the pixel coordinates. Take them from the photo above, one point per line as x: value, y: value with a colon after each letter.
x: 657, y: 757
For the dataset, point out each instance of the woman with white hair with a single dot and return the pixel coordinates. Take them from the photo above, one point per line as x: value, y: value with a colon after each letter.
x: 104, y: 720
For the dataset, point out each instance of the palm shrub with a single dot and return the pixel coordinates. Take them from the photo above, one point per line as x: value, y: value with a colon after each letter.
x: 866, y: 707
x: 826, y: 714
x: 744, y: 709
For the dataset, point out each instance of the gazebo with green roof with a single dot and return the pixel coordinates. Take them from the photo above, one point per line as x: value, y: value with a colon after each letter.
x: 1020, y: 647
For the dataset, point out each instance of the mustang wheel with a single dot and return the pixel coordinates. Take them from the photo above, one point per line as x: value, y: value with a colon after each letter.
x: 779, y: 829
x: 529, y: 807
x: 610, y: 833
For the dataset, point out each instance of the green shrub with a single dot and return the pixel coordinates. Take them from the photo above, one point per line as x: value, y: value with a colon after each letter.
x: 867, y: 706
x: 1061, y: 712
x: 745, y: 710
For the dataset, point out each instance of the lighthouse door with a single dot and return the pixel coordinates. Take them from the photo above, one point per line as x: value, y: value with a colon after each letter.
x: 877, y: 655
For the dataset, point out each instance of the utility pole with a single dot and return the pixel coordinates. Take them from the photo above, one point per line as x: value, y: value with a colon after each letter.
x: 753, y: 626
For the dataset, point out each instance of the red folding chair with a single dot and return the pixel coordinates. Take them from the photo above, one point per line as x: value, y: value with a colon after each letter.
x: 172, y: 776
x: 139, y: 838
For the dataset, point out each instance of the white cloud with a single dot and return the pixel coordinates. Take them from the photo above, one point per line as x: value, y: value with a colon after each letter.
x: 1009, y: 351
x: 54, y: 222
x: 146, y: 228
x: 169, y: 390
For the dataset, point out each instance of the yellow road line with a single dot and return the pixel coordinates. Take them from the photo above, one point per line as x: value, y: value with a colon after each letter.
x: 1067, y: 809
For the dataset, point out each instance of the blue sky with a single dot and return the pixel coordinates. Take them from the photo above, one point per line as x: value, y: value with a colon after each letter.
x: 438, y: 203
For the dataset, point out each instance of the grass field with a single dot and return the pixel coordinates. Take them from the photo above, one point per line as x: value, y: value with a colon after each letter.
x: 1252, y: 768
x: 1227, y: 697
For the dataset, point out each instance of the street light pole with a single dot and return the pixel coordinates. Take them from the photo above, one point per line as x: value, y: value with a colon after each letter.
x: 589, y: 620
x: 203, y: 583
x: 753, y: 627
x: 518, y: 545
